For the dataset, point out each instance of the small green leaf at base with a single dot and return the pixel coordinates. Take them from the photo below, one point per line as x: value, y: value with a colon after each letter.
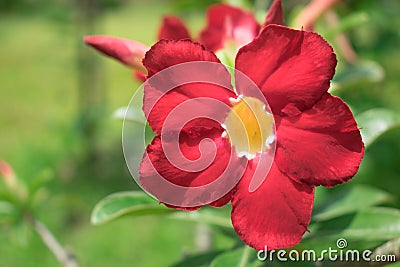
x: 372, y: 224
x: 375, y: 122
x: 131, y: 203
x: 198, y: 260
x: 350, y: 199
x: 238, y: 257
x: 131, y: 114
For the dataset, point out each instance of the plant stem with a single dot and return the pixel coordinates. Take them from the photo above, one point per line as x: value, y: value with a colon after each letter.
x: 64, y: 257
x: 245, y: 256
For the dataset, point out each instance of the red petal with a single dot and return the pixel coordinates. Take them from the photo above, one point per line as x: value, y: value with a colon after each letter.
x: 226, y: 23
x: 160, y: 162
x: 275, y: 14
x: 222, y: 201
x: 183, y: 208
x: 321, y: 146
x: 292, y: 68
x: 167, y: 53
x: 216, y: 204
x: 158, y: 102
x: 276, y: 215
x: 184, y: 103
x: 173, y: 28
x: 125, y: 51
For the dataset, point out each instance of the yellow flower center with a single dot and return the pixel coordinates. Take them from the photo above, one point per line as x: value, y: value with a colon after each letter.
x: 249, y: 127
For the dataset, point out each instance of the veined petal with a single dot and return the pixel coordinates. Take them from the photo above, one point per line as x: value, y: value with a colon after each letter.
x: 216, y: 204
x: 321, y: 146
x: 160, y: 162
x: 204, y: 85
x: 276, y: 215
x: 292, y: 68
x: 127, y: 52
x: 274, y: 14
x: 167, y: 53
x: 227, y: 24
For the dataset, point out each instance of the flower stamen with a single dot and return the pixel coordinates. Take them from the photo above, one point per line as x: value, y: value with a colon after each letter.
x: 249, y: 126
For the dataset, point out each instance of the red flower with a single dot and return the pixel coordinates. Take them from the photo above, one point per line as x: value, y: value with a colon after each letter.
x: 227, y: 27
x: 317, y: 139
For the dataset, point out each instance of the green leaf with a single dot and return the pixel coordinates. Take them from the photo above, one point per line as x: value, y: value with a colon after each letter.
x: 135, y: 203
x: 353, y: 20
x: 184, y: 6
x: 130, y: 113
x: 20, y: 233
x: 135, y: 115
x: 203, y: 259
x: 148, y: 134
x: 372, y: 224
x: 350, y: 199
x: 5, y: 195
x: 225, y: 58
x: 397, y: 264
x: 40, y: 180
x: 366, y: 229
x: 205, y: 215
x: 238, y: 257
x: 288, y: 263
x: 364, y: 71
x: 131, y: 203
x: 239, y: 3
x: 375, y: 122
x: 7, y: 211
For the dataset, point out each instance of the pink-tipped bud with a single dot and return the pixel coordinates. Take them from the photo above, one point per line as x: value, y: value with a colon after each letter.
x: 12, y: 182
x: 9, y: 177
x: 127, y: 52
x: 6, y: 171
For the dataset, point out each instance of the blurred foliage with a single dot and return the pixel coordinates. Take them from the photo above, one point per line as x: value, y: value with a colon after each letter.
x: 191, y: 5
x: 20, y: 5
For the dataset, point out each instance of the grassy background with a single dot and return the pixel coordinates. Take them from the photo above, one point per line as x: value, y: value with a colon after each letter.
x: 39, y: 131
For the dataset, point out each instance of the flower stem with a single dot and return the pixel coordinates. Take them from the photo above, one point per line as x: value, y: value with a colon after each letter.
x: 64, y: 257
x: 245, y: 256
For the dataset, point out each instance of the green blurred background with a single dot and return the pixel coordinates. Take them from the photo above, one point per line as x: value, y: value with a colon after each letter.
x: 57, y: 97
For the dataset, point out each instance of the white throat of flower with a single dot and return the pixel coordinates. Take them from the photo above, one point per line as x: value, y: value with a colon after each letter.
x: 249, y: 127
